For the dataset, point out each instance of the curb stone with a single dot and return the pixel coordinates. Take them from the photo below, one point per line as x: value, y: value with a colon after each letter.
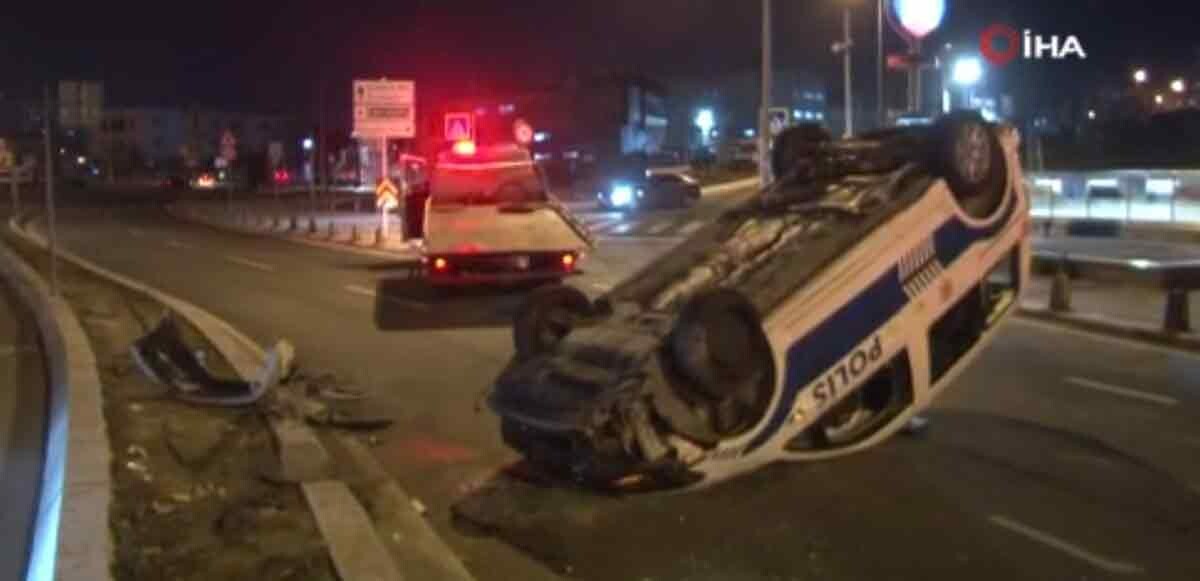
x: 357, y: 551
x: 76, y: 471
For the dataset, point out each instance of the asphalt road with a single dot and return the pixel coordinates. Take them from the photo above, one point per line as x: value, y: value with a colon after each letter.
x: 1057, y: 456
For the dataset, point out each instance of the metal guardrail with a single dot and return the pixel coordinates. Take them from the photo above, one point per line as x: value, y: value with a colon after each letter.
x: 1176, y: 279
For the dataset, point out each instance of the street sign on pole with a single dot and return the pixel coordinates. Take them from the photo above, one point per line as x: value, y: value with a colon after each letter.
x: 460, y: 127
x: 386, y: 200
x: 779, y: 119
x: 384, y: 108
x: 523, y: 131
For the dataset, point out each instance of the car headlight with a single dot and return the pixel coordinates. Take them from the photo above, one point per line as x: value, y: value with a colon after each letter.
x: 621, y: 195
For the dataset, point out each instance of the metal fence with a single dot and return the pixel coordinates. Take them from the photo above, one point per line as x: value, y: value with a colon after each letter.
x: 1166, y: 196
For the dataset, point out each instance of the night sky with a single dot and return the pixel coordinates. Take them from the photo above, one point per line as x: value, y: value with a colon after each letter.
x: 269, y: 56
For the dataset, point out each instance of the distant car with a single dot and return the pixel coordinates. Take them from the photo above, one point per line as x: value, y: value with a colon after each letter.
x: 654, y: 191
x: 205, y: 181
x: 812, y: 321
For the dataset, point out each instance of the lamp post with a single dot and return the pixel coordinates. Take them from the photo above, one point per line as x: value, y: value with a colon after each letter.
x: 764, y: 121
x: 843, y: 48
x: 1140, y: 76
x: 966, y: 73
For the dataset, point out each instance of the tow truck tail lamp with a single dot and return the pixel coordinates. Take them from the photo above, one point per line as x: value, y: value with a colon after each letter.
x: 464, y: 148
x: 568, y: 261
x: 440, y: 264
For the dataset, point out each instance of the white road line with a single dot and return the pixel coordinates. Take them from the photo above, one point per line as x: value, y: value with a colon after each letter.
x: 366, y: 292
x: 602, y: 225
x: 691, y: 227
x: 1122, y: 391
x: 1118, y: 567
x: 250, y: 263
x: 178, y: 244
x: 1097, y: 336
x: 659, y: 228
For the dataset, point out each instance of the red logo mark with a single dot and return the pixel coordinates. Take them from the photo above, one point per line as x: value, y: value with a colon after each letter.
x: 1002, y: 33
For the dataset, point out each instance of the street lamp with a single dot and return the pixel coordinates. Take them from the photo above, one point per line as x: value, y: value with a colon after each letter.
x: 307, y: 144
x: 1091, y: 114
x: 1178, y: 85
x: 1140, y: 76
x: 1158, y: 99
x: 705, y: 120
x: 966, y: 73
x: 843, y: 47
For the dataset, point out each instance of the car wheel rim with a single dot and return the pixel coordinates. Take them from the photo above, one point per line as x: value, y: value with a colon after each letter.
x: 973, y: 153
x: 844, y: 424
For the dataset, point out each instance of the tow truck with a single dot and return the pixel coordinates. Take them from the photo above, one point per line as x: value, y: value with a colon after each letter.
x: 489, y: 218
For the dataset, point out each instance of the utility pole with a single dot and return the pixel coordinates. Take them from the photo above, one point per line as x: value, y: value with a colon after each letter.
x: 880, y: 109
x: 764, y: 121
x: 47, y: 137
x: 847, y: 43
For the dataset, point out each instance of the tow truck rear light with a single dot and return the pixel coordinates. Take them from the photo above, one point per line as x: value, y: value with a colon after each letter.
x: 464, y: 148
x: 440, y: 264
x: 568, y: 261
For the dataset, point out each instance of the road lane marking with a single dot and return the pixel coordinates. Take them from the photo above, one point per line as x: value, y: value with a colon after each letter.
x: 1097, y: 336
x: 1108, y: 565
x: 659, y: 228
x: 250, y: 263
x: 603, y: 225
x: 1122, y: 391
x: 178, y: 244
x: 691, y: 227
x: 366, y: 292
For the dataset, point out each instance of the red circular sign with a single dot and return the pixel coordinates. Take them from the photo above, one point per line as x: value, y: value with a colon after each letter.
x: 1003, y: 33
x: 523, y: 131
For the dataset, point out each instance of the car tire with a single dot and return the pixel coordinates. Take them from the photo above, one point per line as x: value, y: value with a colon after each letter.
x: 718, y: 343
x: 968, y: 155
x: 546, y: 317
x: 794, y: 145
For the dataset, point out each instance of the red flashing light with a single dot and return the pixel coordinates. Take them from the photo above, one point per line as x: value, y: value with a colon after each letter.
x: 440, y: 264
x: 568, y: 261
x: 464, y: 148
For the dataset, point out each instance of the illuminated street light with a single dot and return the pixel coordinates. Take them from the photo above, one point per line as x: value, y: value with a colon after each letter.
x: 1140, y: 76
x: 307, y: 144
x: 920, y: 17
x: 1177, y: 85
x: 1092, y: 114
x: 967, y: 71
x: 1158, y: 99
x: 705, y: 121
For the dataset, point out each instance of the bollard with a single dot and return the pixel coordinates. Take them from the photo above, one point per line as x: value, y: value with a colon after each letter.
x: 293, y: 224
x: 380, y: 238
x: 312, y: 226
x: 1060, y: 289
x: 1177, y: 318
x: 355, y: 237
x: 331, y: 233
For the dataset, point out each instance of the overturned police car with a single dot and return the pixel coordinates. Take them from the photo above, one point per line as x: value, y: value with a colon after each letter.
x: 812, y: 321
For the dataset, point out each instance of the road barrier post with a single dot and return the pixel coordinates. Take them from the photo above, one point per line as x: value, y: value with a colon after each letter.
x: 293, y: 223
x: 380, y: 237
x: 355, y: 237
x: 1177, y: 318
x: 1060, y: 289
x: 331, y: 232
x: 312, y: 226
